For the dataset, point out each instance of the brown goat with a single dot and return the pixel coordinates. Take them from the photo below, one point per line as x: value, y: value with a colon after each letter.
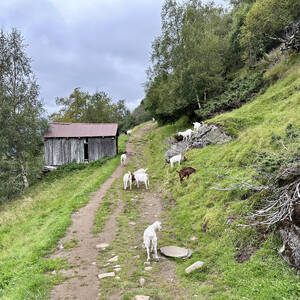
x: 186, y: 172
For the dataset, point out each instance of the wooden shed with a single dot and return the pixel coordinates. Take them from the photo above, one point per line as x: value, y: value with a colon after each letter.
x: 80, y: 142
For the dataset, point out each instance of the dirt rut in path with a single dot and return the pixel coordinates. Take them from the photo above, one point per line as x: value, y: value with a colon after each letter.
x: 82, y: 282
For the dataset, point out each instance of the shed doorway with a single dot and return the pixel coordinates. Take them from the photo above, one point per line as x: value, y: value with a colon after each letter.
x: 86, y: 150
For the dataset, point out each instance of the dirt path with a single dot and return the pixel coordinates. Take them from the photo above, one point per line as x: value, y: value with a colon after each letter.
x: 134, y: 211
x: 82, y: 282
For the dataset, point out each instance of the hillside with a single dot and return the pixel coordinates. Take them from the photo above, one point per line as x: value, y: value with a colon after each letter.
x: 238, y: 262
x: 194, y: 205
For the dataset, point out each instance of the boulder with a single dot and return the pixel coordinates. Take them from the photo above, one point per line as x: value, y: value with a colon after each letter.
x: 174, y: 251
x: 208, y: 134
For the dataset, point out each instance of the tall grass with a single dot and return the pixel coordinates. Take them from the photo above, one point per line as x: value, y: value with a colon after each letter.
x: 31, y: 225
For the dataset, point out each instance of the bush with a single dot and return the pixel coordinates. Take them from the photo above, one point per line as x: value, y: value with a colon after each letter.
x: 237, y: 93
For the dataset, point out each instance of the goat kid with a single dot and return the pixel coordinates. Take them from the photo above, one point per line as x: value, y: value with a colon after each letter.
x: 123, y: 159
x: 150, y: 239
x: 186, y: 172
x: 177, y: 158
x: 127, y: 179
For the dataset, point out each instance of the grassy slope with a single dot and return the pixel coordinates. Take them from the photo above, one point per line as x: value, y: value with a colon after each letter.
x: 31, y: 226
x: 265, y: 275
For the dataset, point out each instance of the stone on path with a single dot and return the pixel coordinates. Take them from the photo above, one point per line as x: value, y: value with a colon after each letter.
x: 132, y: 223
x: 117, y: 269
x: 147, y: 263
x: 198, y: 264
x: 104, y: 275
x: 113, y: 259
x: 141, y: 297
x: 148, y: 268
x: 173, y: 251
x: 118, y: 278
x: 102, y: 246
x: 142, y: 281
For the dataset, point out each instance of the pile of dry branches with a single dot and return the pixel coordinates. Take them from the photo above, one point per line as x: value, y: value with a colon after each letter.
x: 291, y: 39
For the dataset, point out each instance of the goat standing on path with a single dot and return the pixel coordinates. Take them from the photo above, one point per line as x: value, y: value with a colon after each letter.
x: 123, y: 159
x: 142, y: 177
x: 150, y: 239
x: 127, y: 179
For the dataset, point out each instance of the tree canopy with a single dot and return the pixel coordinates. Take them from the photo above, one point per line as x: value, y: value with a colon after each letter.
x: 21, y: 115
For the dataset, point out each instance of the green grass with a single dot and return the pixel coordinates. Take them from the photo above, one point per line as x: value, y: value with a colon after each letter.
x: 265, y: 275
x: 31, y: 225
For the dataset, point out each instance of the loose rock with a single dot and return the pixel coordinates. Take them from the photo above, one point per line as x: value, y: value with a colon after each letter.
x: 117, y: 269
x: 148, y: 268
x: 132, y: 223
x: 194, y: 266
x: 104, y: 275
x: 142, y: 281
x: 102, y: 246
x: 141, y: 297
x: 113, y: 259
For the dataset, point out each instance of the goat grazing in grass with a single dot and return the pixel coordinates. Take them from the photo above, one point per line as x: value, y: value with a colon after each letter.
x: 177, y: 158
x: 186, y: 172
x: 127, y: 179
x: 142, y: 177
x: 150, y: 239
x: 123, y: 159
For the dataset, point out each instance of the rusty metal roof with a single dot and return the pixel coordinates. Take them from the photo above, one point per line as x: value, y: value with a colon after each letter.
x: 63, y: 130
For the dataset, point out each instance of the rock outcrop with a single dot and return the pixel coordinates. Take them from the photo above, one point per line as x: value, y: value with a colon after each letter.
x: 208, y: 134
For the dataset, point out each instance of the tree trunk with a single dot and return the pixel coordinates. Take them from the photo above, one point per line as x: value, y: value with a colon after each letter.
x: 24, y: 176
x: 199, y: 105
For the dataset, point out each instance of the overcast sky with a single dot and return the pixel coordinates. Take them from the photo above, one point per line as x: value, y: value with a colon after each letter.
x: 100, y: 45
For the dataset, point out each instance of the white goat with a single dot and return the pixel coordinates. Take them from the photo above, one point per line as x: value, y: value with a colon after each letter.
x: 123, y: 159
x: 197, y: 126
x: 129, y: 131
x: 142, y: 177
x: 150, y: 239
x: 140, y: 171
x: 177, y: 158
x: 186, y: 134
x: 127, y: 179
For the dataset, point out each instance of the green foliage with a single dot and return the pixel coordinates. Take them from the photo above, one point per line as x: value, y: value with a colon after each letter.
x: 21, y: 117
x: 237, y: 93
x: 267, y: 18
x: 140, y: 115
x: 97, y: 108
x: 188, y: 59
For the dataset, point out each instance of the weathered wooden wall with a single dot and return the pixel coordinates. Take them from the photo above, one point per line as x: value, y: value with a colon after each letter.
x: 59, y: 151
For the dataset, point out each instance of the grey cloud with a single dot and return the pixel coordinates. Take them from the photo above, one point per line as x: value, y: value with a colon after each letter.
x: 96, y: 45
